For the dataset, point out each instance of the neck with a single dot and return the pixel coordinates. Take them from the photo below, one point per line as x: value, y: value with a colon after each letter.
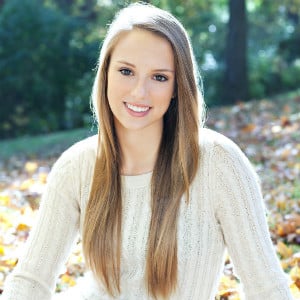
x: 139, y: 149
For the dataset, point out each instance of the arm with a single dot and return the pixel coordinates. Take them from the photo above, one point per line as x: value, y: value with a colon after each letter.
x: 241, y: 214
x: 51, y: 239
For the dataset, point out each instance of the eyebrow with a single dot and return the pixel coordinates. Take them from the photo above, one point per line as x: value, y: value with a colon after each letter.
x: 133, y: 66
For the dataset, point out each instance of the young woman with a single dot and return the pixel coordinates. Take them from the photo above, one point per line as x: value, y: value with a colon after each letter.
x: 155, y: 196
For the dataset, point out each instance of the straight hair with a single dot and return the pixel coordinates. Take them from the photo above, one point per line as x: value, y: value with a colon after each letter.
x: 174, y: 170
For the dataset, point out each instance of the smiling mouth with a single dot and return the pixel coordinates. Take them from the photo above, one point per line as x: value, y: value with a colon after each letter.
x: 136, y: 108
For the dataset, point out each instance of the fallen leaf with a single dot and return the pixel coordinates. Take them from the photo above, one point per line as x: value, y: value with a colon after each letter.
x: 284, y: 250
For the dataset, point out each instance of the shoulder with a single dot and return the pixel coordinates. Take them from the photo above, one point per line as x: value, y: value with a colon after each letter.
x: 225, y: 156
x: 211, y: 140
x: 81, y: 153
x: 221, y: 150
x: 74, y: 168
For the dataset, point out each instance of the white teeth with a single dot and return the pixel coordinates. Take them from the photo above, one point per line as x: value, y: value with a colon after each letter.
x: 137, y: 108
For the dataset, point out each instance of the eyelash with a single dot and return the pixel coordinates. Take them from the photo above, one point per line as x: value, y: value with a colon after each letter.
x: 162, y: 78
x: 124, y: 71
x: 159, y: 77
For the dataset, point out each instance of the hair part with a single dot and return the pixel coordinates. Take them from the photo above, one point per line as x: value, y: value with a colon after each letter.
x: 173, y: 173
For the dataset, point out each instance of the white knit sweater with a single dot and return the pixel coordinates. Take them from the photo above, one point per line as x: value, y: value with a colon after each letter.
x: 225, y: 210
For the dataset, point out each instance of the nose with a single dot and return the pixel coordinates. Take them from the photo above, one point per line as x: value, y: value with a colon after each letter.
x: 139, y: 90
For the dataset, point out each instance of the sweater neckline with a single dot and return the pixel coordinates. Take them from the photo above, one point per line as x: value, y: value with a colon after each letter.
x: 134, y: 181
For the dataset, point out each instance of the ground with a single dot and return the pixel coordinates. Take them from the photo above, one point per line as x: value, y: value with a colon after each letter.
x: 268, y: 131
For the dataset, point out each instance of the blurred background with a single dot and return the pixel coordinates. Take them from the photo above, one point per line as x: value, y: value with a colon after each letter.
x: 49, y: 48
x: 248, y: 53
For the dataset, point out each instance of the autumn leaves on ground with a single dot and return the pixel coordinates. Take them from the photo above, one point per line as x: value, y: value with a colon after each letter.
x: 268, y: 131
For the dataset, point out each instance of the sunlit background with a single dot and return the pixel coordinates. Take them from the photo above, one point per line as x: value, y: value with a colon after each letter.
x: 248, y: 53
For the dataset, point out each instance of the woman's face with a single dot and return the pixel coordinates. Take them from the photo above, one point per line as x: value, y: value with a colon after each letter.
x: 141, y: 78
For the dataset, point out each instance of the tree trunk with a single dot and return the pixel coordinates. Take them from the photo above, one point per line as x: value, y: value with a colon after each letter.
x: 236, y: 81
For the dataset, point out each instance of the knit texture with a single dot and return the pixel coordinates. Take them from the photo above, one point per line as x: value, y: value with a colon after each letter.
x: 225, y: 211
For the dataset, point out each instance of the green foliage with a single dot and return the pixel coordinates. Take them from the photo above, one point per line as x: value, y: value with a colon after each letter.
x: 40, y: 62
x: 49, y: 49
x: 274, y: 47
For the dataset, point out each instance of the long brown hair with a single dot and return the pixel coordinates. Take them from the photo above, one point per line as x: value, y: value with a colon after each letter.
x: 175, y: 167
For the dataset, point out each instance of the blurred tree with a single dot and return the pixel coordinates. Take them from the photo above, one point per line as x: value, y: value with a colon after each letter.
x: 236, y: 81
x: 274, y: 53
x: 48, y: 49
x: 65, y: 5
x: 289, y: 47
x: 40, y: 62
x: 83, y: 9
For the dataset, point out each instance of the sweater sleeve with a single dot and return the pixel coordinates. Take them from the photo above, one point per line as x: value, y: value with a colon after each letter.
x: 241, y: 214
x: 51, y: 238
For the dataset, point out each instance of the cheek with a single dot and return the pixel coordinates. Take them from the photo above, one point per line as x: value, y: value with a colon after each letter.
x: 110, y: 83
x: 164, y: 95
x: 116, y: 88
x: 112, y: 89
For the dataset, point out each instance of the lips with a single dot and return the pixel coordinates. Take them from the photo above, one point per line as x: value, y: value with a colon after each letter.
x: 137, y: 108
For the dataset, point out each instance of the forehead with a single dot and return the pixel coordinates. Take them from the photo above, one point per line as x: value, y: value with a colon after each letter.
x: 142, y: 46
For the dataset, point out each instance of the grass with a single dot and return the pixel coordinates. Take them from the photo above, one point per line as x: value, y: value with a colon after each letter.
x: 296, y: 192
x: 41, y: 145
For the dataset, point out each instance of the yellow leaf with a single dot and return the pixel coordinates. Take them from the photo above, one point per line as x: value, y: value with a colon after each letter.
x: 26, y: 184
x: 23, y: 227
x: 43, y: 178
x: 31, y: 167
x: 281, y: 204
x: 8, y: 263
x: 284, y: 250
x: 2, y: 252
x: 228, y: 292
x: 4, y: 199
x: 295, y: 291
x: 295, y: 273
x: 297, y: 166
x: 68, y: 279
x: 5, y: 221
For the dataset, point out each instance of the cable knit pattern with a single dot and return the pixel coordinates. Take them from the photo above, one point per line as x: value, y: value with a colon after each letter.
x: 225, y: 210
